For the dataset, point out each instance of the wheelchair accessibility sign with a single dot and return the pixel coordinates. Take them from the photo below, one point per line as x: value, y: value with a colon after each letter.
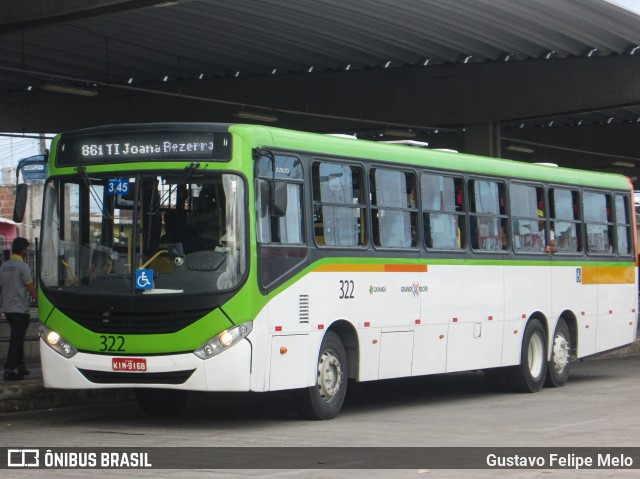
x: 144, y: 279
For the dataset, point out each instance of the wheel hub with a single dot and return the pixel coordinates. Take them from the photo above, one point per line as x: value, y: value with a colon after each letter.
x: 560, y: 353
x: 329, y: 375
x: 535, y: 356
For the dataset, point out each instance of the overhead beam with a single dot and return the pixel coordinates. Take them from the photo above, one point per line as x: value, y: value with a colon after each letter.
x: 414, y: 96
x: 611, y: 148
x: 452, y: 94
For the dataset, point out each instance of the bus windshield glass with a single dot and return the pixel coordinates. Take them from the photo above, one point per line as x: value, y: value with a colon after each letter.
x: 144, y: 234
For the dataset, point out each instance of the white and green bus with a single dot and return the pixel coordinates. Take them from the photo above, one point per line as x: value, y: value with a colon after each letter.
x: 216, y: 257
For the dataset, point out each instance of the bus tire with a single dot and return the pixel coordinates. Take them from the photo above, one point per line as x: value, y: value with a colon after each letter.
x: 324, y: 400
x: 161, y: 402
x: 529, y: 376
x: 559, y: 367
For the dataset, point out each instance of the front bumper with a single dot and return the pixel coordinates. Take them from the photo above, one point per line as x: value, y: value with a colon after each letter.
x: 228, y: 371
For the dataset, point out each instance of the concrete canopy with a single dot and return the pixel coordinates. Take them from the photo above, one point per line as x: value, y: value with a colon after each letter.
x: 500, y: 77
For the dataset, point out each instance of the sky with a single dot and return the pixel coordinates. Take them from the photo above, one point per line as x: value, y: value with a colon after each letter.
x: 13, y: 149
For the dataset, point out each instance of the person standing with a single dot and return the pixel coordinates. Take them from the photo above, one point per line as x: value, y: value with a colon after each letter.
x: 17, y: 285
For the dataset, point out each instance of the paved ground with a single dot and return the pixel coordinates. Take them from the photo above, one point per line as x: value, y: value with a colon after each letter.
x: 599, y: 407
x: 30, y: 393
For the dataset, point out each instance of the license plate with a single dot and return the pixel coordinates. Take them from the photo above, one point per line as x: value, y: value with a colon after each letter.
x: 129, y: 364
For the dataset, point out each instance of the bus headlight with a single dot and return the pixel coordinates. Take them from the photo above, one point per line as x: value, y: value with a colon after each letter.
x: 57, y: 342
x: 223, y: 340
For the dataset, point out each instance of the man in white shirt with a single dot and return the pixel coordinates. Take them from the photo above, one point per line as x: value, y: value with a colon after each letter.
x: 17, y: 285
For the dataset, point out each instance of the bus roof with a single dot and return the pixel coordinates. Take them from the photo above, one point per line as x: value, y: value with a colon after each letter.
x: 263, y: 136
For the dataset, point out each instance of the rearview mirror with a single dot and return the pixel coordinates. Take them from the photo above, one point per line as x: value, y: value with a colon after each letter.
x: 21, y: 202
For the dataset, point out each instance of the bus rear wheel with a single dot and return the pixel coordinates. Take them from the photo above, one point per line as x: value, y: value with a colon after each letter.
x: 324, y: 400
x: 558, y: 368
x: 161, y: 402
x: 529, y: 376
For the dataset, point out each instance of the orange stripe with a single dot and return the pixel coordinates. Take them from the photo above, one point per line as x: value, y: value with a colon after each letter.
x: 351, y: 268
x: 372, y: 268
x: 405, y: 268
x: 608, y: 275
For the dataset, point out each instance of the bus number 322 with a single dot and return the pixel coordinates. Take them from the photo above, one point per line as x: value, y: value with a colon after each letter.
x: 112, y: 343
x: 346, y: 289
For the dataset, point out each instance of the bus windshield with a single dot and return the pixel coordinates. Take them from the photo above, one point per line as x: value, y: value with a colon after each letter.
x: 185, y: 235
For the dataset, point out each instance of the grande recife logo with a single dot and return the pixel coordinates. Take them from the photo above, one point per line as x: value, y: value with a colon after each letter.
x: 415, y: 289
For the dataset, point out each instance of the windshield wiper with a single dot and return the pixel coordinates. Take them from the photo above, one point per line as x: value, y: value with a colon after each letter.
x: 87, y: 181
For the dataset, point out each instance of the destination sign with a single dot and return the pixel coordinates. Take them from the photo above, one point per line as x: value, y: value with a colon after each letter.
x: 144, y: 146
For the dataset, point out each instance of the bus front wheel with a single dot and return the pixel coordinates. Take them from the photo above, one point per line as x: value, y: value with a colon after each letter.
x: 324, y: 400
x: 529, y: 376
x: 161, y: 402
x: 558, y: 368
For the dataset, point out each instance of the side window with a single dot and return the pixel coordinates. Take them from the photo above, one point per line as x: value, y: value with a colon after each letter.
x: 279, y: 201
x: 443, y: 212
x: 528, y: 218
x: 565, y: 219
x: 623, y: 225
x: 288, y: 227
x: 597, y: 218
x: 338, y: 204
x: 488, y: 215
x: 279, y: 218
x: 393, y: 208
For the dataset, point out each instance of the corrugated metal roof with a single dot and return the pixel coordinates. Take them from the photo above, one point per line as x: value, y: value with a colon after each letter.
x: 217, y: 38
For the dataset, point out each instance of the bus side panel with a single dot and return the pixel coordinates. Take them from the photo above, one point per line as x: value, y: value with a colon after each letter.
x: 283, y: 345
x: 369, y: 354
x: 569, y: 293
x: 290, y: 361
x: 261, y: 351
x: 512, y: 344
x: 374, y: 301
x: 396, y: 354
x: 430, y: 349
x: 391, y: 306
x: 230, y: 370
x: 527, y: 289
x: 432, y: 334
x: 470, y: 299
x: 616, y: 315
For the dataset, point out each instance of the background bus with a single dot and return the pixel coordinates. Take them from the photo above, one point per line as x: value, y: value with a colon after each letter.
x: 213, y: 257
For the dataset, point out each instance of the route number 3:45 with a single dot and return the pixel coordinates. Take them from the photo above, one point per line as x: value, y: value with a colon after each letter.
x: 118, y: 186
